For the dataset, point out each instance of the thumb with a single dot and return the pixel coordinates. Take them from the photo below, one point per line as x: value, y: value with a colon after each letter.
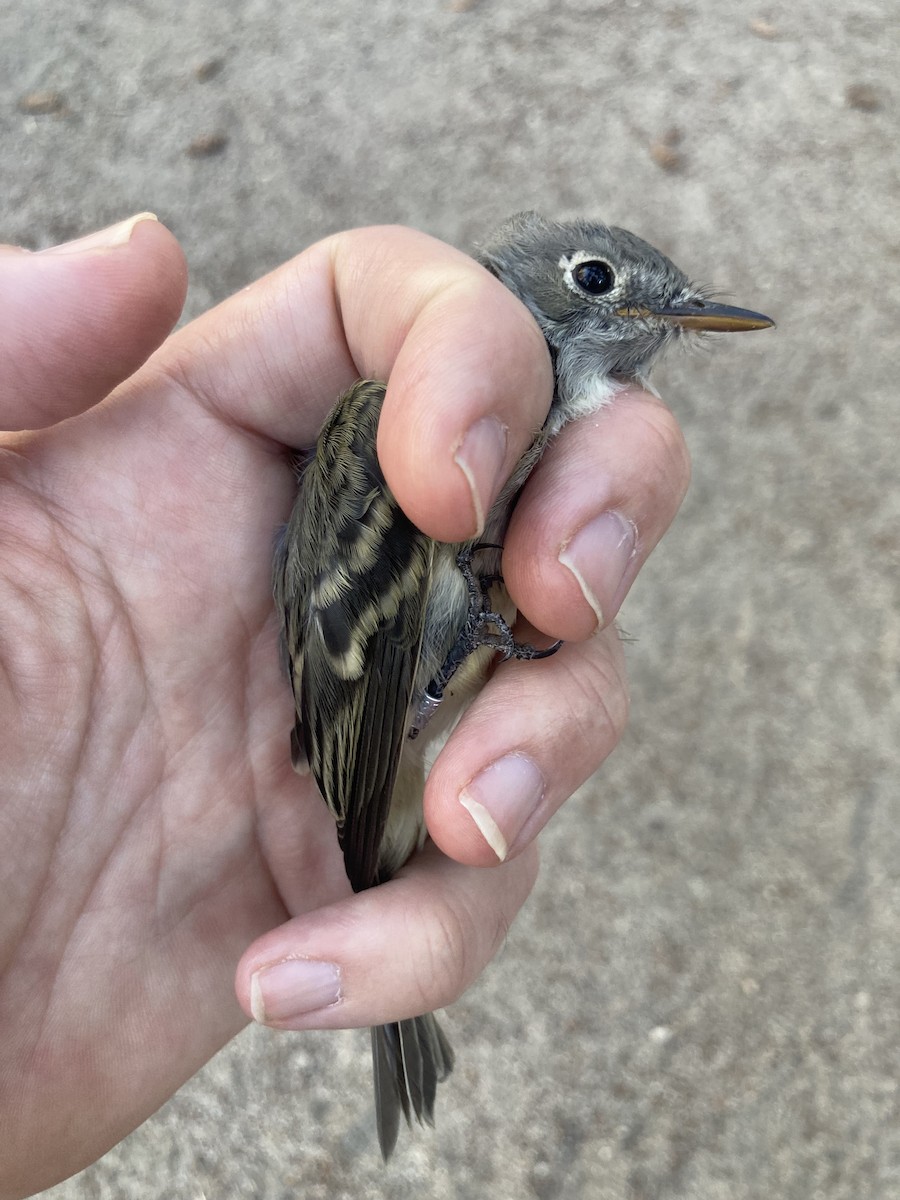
x: 77, y: 319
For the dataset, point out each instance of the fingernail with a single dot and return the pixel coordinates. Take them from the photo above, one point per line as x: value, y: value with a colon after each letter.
x: 502, y: 798
x: 598, y: 556
x: 293, y: 989
x: 103, y: 239
x: 481, y: 456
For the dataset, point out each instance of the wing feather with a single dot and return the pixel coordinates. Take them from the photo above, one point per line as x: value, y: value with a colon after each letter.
x: 352, y: 582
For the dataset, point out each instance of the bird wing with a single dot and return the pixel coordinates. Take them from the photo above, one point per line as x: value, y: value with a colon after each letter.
x: 352, y: 579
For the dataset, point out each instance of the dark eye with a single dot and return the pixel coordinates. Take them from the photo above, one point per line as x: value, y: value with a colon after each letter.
x: 594, y: 277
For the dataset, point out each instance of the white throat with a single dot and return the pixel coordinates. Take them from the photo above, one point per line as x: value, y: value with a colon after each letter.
x: 580, y: 394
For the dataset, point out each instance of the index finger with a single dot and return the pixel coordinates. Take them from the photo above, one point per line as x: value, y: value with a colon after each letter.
x: 469, y: 374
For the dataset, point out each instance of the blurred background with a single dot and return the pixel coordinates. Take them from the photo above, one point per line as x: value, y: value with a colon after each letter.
x: 700, y: 999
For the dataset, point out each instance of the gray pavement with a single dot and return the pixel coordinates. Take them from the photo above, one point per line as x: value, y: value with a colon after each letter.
x: 700, y: 999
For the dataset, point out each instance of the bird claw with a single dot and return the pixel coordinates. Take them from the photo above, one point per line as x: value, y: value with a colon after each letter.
x: 482, y: 616
x: 531, y: 653
x: 483, y: 627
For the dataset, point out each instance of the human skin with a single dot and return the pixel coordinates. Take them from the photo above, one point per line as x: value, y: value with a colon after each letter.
x: 158, y: 850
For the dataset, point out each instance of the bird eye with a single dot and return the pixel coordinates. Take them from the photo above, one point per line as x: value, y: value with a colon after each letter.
x: 594, y: 277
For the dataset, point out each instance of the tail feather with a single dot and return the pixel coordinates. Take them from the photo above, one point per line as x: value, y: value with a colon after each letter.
x: 409, y: 1059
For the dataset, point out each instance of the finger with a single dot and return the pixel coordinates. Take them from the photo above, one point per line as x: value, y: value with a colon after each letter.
x: 404, y: 948
x: 470, y: 376
x: 532, y: 736
x: 77, y: 319
x: 471, y: 384
x: 600, y: 499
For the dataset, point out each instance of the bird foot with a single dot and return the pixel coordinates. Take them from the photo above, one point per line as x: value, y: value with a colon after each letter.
x: 482, y: 627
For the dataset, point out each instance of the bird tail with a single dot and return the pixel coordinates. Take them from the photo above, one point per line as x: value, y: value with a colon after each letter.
x: 409, y: 1059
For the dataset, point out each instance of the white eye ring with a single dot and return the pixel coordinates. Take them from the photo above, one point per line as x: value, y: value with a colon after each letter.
x: 569, y: 264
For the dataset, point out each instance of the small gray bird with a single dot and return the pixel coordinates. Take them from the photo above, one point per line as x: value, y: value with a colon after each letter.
x: 388, y: 634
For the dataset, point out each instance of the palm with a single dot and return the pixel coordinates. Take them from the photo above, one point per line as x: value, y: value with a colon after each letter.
x: 141, y: 662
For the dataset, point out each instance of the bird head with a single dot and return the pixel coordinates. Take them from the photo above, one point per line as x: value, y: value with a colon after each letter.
x: 607, y: 301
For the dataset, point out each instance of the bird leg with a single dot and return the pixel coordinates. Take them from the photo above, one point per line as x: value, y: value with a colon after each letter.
x: 482, y: 627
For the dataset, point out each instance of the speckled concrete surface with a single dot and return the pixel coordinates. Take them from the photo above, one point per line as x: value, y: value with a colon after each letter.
x: 700, y: 1000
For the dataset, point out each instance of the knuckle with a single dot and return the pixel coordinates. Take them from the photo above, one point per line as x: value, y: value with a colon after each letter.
x: 598, y: 696
x: 443, y: 968
x: 666, y: 448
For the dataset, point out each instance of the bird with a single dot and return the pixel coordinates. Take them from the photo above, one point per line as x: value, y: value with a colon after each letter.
x: 387, y: 634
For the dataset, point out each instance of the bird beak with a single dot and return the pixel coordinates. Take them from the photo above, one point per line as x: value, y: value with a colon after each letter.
x: 701, y: 314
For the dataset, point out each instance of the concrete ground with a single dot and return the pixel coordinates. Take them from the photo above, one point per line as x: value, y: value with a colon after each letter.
x: 700, y: 999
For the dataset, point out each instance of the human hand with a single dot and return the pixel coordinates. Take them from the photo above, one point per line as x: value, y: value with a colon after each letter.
x: 153, y: 827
